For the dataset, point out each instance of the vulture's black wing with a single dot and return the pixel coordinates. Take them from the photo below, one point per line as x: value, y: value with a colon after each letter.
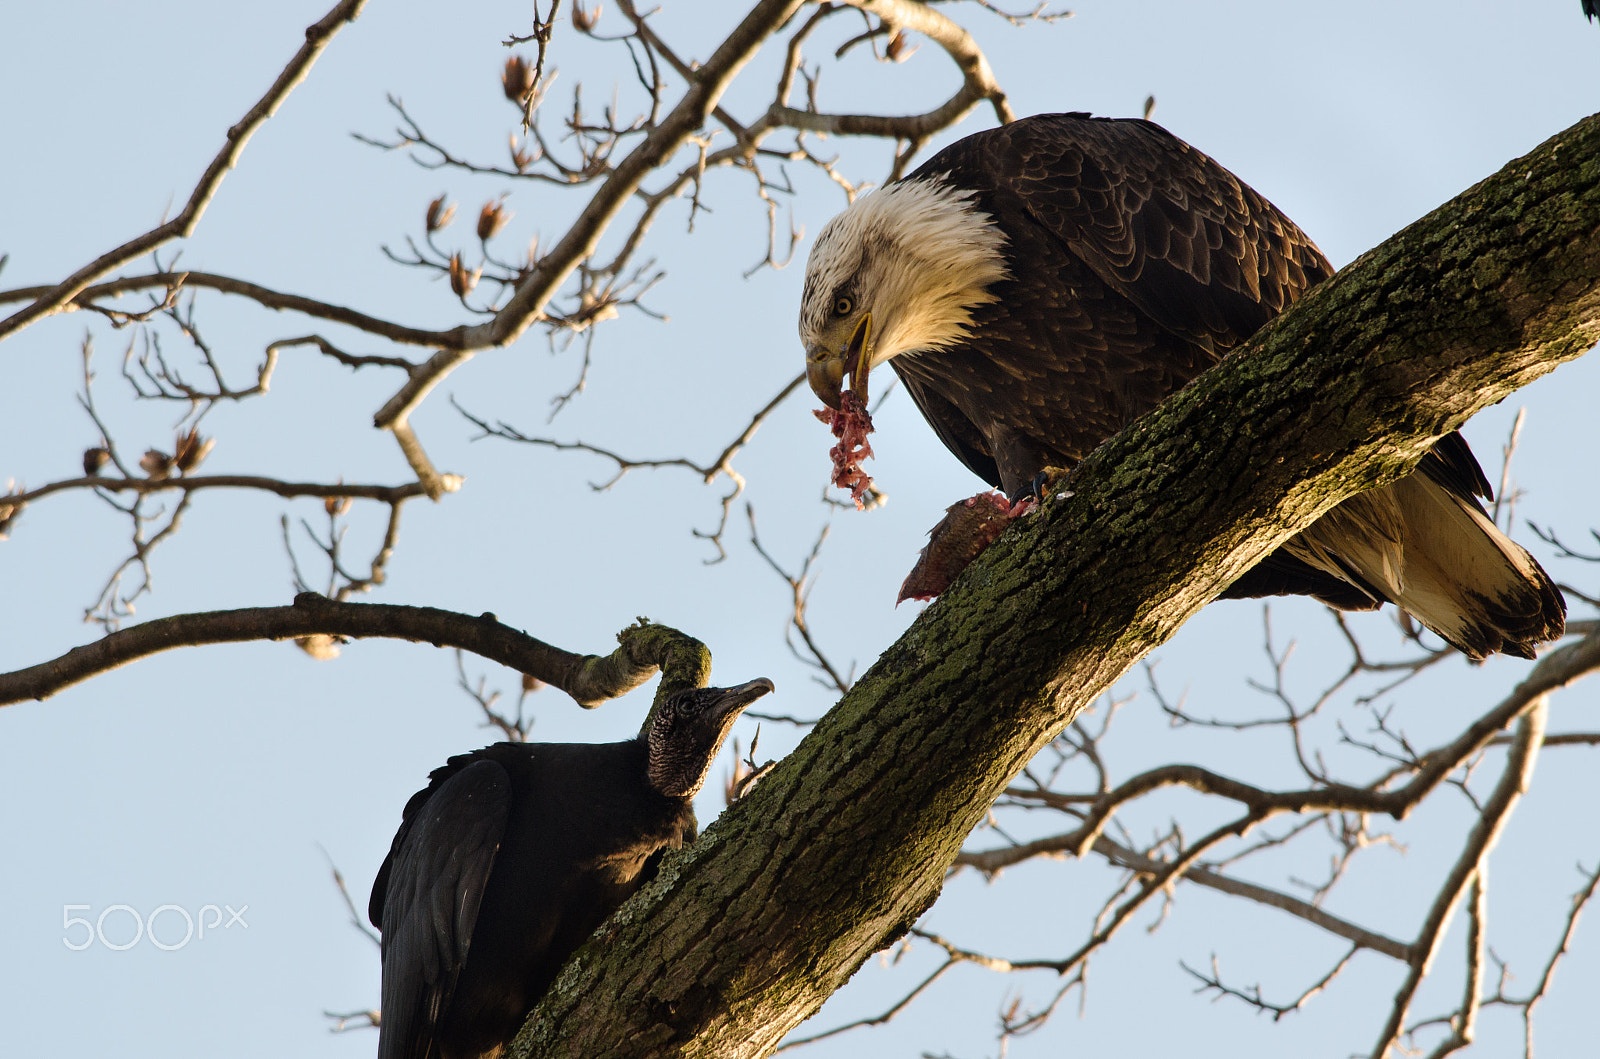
x: 426, y: 897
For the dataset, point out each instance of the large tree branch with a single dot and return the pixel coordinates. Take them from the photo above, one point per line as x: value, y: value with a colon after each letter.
x: 844, y: 844
x: 589, y: 679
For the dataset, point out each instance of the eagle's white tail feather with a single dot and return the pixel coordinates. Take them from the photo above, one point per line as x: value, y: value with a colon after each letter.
x: 1439, y: 557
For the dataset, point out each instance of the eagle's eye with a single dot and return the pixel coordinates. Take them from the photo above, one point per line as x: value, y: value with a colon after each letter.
x: 842, y: 306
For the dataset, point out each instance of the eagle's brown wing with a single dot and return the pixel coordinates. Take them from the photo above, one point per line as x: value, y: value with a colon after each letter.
x: 1134, y: 262
x: 1160, y: 223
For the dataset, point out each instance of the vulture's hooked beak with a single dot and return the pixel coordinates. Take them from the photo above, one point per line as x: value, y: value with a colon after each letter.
x: 730, y: 701
x: 826, y: 368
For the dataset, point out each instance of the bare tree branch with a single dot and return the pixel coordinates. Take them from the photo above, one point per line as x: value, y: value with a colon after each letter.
x: 1513, y: 784
x: 389, y: 494
x: 89, y: 296
x: 581, y: 239
x: 708, y: 472
x: 978, y: 82
x: 1212, y: 982
x: 589, y: 679
x: 318, y: 37
x: 799, y: 592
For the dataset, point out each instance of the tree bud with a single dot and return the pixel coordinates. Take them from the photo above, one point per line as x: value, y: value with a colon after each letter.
x: 440, y: 215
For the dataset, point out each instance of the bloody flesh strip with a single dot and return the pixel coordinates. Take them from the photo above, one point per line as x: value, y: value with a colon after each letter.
x: 851, y: 424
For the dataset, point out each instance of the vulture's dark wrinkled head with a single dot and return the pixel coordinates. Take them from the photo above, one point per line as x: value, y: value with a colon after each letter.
x: 688, y: 730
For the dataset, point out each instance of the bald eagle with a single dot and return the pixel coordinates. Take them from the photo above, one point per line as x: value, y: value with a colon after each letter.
x: 1039, y: 286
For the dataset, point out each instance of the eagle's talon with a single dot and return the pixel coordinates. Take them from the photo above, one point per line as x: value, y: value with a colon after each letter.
x: 1037, y: 490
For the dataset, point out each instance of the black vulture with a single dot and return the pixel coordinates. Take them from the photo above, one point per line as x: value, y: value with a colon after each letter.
x: 511, y: 857
x: 1039, y: 286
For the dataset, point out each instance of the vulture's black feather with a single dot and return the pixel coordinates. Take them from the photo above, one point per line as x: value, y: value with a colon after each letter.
x: 511, y: 857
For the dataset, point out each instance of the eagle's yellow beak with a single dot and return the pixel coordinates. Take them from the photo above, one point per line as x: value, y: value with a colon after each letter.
x: 826, y: 368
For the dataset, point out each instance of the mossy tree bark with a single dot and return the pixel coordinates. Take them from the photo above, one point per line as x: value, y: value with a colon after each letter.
x: 848, y: 840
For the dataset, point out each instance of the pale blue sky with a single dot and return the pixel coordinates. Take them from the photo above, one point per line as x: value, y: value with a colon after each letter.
x: 213, y: 776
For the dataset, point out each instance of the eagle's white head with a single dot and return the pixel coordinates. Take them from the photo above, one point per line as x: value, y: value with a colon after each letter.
x: 899, y: 270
